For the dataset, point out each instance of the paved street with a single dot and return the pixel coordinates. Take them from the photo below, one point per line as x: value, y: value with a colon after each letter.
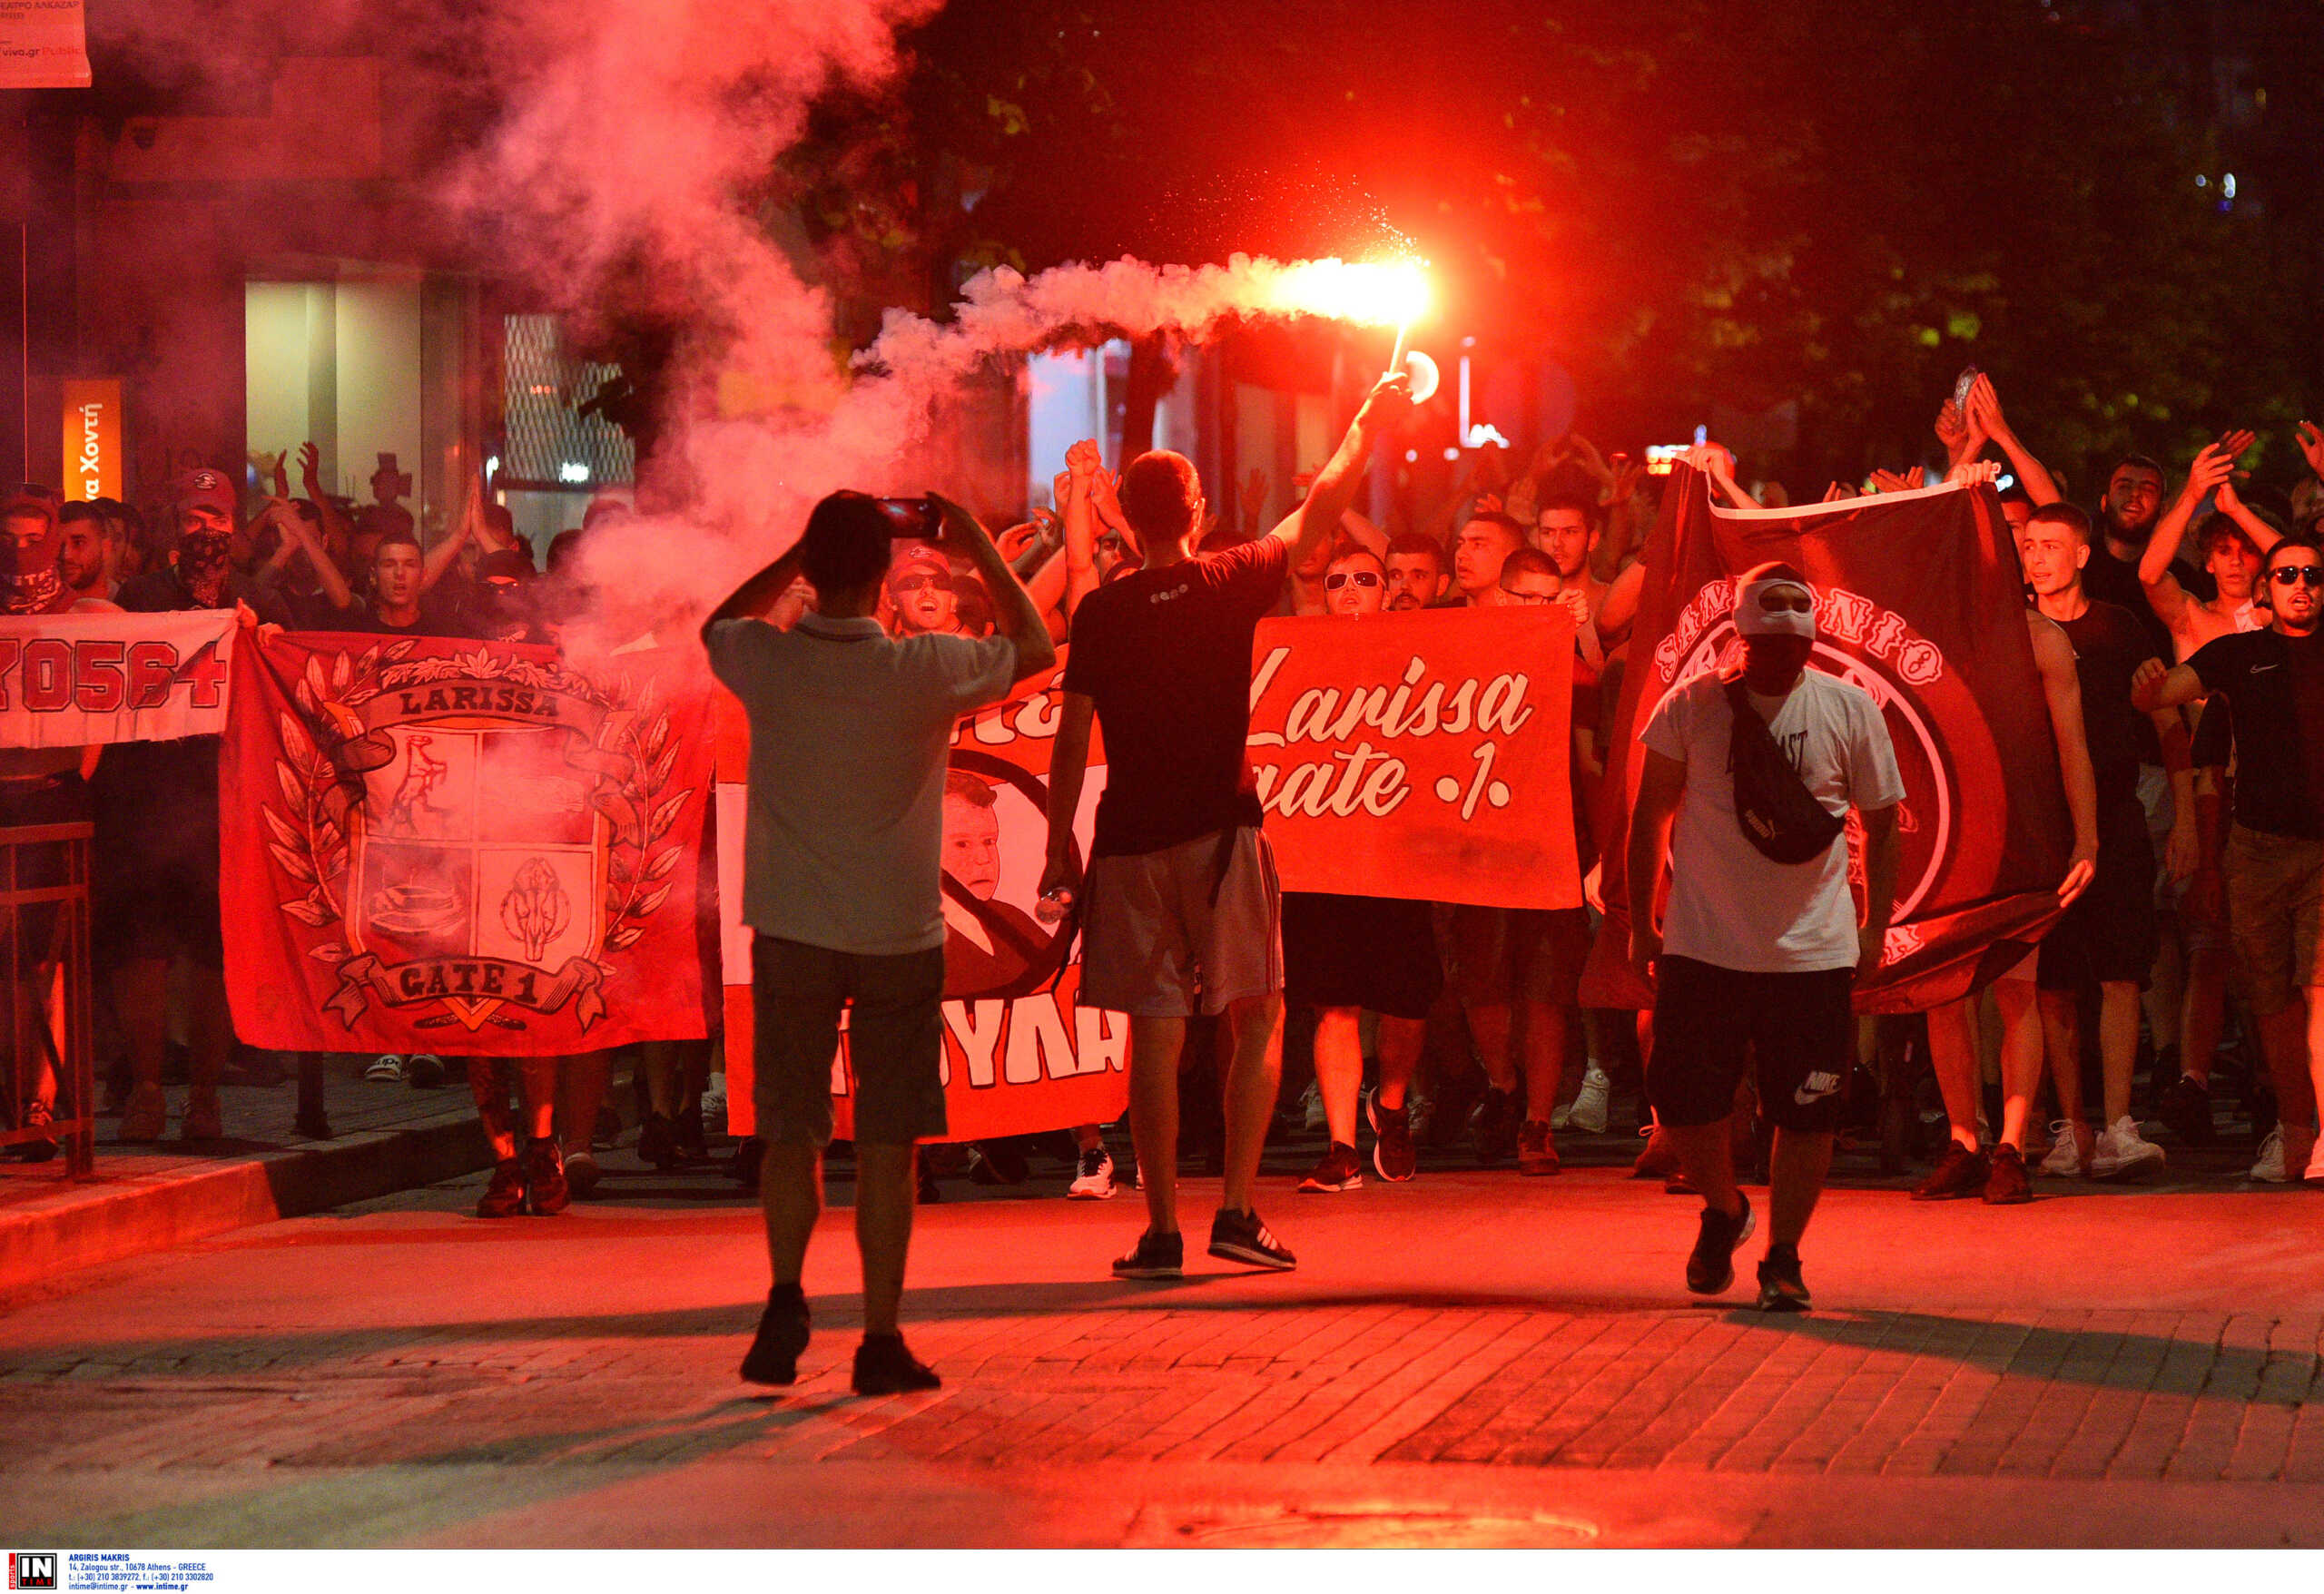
x: 1467, y: 1359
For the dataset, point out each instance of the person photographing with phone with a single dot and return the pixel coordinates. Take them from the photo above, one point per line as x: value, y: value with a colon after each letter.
x: 1759, y: 949
x: 851, y: 731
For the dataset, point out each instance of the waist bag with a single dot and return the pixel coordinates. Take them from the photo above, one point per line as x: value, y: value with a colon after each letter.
x: 1777, y: 813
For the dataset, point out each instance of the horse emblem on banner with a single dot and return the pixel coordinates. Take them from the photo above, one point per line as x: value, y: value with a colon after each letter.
x: 486, y: 828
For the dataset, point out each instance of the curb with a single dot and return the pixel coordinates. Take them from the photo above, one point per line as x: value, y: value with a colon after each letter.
x: 83, y: 1225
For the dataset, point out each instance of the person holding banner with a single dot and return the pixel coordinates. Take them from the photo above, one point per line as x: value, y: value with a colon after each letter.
x: 1747, y: 781
x: 154, y: 885
x: 1343, y: 954
x: 1181, y: 911
x: 851, y: 731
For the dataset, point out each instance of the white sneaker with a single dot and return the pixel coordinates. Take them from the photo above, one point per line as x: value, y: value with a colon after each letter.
x: 1311, y: 1106
x: 385, y: 1070
x: 1589, y: 1112
x: 1096, y: 1181
x: 2269, y: 1168
x: 714, y: 1106
x: 2122, y: 1152
x: 2065, y: 1161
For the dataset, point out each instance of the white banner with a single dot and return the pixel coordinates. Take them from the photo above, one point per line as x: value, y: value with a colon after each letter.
x: 44, y: 44
x: 72, y: 680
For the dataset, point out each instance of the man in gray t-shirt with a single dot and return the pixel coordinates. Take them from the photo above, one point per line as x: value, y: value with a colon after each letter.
x: 842, y: 848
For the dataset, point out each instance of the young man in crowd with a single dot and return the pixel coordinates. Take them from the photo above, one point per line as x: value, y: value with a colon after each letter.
x: 1965, y: 1168
x: 154, y: 885
x: 1344, y: 955
x: 1181, y: 910
x: 88, y: 554
x: 42, y: 785
x: 1484, y: 542
x: 2109, y: 937
x: 1517, y: 971
x: 1755, y: 957
x: 851, y: 732
x: 2273, y: 680
x: 1416, y: 575
x: 922, y: 593
x: 2232, y: 543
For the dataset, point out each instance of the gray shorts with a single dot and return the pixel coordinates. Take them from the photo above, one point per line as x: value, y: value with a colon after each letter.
x: 1184, y: 930
x: 895, y: 1041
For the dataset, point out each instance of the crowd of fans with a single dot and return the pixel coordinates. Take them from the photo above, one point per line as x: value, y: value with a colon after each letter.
x: 2180, y: 986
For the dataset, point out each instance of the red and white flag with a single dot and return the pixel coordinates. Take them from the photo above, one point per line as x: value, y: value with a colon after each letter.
x: 75, y: 680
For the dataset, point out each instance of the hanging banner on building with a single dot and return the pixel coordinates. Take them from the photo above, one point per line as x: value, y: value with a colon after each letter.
x: 458, y: 847
x: 1919, y: 602
x: 1020, y: 1056
x: 76, y: 680
x: 92, y: 438
x: 1422, y: 755
x: 44, y: 44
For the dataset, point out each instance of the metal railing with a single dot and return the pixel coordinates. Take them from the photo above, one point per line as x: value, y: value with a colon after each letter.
x: 45, y: 949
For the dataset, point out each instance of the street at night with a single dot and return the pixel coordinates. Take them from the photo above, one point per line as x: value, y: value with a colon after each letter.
x: 1465, y: 1360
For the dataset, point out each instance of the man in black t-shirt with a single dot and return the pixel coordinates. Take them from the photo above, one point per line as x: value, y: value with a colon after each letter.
x: 2109, y: 937
x: 1181, y: 911
x: 2273, y: 681
x: 399, y: 606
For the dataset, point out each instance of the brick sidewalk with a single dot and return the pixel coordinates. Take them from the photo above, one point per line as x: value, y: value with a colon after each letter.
x: 1439, y: 1341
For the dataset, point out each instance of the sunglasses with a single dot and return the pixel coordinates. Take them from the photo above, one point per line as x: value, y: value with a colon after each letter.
x: 2307, y: 574
x: 911, y: 583
x: 1365, y: 579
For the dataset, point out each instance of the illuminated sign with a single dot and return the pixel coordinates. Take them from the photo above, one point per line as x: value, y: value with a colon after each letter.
x: 92, y: 438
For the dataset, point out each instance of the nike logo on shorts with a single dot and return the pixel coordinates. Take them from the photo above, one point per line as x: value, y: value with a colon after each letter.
x: 1818, y: 1086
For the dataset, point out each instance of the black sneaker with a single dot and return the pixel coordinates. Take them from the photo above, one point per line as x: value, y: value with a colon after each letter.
x: 2185, y: 1108
x: 883, y: 1367
x: 773, y: 1355
x: 2006, y: 1182
x: 1154, y: 1256
x: 1781, y: 1289
x: 1240, y: 1236
x: 658, y: 1142
x: 505, y: 1196
x: 546, y: 1193
x: 1710, y: 1268
x: 1393, y: 1157
x: 1493, y: 1125
x: 1958, y: 1174
x: 1339, y: 1170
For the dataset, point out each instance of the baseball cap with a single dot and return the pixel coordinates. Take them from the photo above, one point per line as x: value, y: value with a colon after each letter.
x: 504, y: 564
x: 29, y: 505
x: 919, y: 559
x: 204, y: 488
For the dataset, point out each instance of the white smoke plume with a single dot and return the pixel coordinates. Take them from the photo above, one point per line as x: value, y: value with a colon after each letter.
x: 627, y: 167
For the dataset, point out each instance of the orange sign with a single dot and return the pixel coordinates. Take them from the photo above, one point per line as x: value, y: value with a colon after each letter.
x: 92, y: 438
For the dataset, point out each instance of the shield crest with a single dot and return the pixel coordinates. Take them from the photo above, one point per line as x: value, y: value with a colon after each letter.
x: 478, y: 842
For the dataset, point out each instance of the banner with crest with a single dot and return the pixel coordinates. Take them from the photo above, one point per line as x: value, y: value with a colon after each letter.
x: 462, y: 848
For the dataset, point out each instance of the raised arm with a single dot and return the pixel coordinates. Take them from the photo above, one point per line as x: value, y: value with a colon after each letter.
x: 1310, y: 525
x: 1080, y: 519
x: 2062, y: 690
x: 755, y: 598
x: 310, y: 479
x: 1985, y: 416
x: 2209, y: 470
x: 2231, y: 504
x: 327, y: 574
x: 447, y: 549
x: 1013, y: 612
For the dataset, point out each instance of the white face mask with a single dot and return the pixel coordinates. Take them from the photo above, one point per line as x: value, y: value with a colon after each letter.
x: 1753, y: 620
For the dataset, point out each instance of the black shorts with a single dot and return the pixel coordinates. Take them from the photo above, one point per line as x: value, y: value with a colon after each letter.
x: 2111, y: 933
x: 1796, y: 1030
x: 1495, y: 956
x: 1375, y: 952
x: 895, y: 1041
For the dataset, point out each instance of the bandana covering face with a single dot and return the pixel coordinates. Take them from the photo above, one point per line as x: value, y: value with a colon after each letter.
x: 203, y: 560
x: 29, y: 584
x: 1753, y: 620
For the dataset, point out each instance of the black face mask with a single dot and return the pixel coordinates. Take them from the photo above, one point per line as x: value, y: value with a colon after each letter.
x: 1771, y: 663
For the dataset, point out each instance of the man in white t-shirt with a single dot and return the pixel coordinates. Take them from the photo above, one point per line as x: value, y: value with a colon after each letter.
x: 1755, y: 956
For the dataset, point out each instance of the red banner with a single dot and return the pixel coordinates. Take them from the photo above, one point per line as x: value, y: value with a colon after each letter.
x: 72, y: 680
x: 1919, y: 602
x: 460, y: 847
x: 1422, y: 754
x: 1020, y: 1056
